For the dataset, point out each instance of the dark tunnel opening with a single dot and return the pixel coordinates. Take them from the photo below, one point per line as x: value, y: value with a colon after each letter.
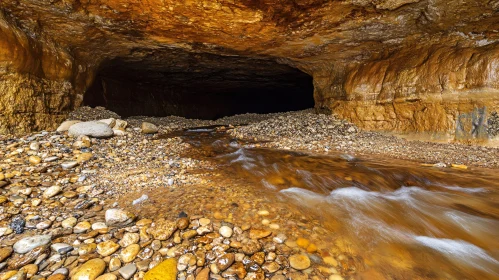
x: 202, y: 86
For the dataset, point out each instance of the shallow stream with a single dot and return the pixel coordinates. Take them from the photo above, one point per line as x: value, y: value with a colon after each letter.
x: 403, y: 220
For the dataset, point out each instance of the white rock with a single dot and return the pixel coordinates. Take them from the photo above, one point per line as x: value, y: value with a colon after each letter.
x: 66, y: 125
x: 225, y: 231
x: 29, y: 243
x: 50, y: 159
x: 141, y: 199
x: 35, y: 146
x: 118, y: 217
x: 91, y: 129
x: 52, y: 191
x: 69, y: 164
x: 128, y: 270
x: 99, y: 225
x: 61, y: 248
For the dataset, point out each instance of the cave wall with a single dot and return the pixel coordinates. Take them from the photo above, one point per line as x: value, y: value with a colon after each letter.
x: 446, y: 92
x: 39, y: 84
x: 399, y: 65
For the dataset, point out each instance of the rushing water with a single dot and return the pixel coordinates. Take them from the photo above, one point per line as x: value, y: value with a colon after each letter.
x: 406, y: 221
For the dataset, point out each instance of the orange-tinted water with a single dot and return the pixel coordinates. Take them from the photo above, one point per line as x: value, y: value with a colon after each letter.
x: 405, y: 221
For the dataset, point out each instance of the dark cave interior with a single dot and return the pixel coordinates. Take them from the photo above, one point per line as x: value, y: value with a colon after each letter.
x: 202, y: 86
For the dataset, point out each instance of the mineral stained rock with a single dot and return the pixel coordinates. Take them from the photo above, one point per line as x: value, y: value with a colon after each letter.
x: 403, y: 65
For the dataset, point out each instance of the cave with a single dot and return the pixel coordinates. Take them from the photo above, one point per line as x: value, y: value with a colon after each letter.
x: 201, y: 86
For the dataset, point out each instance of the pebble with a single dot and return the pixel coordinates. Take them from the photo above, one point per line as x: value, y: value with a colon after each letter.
x: 224, y: 261
x: 29, y: 243
x: 129, y: 238
x: 69, y: 164
x: 129, y: 253
x: 52, y: 191
x: 204, y: 274
x: 82, y: 227
x: 149, y: 128
x: 5, y: 252
x: 61, y: 248
x: 107, y: 276
x: 69, y: 222
x: 299, y: 261
x: 114, y: 264
x: 118, y: 217
x: 259, y: 233
x: 128, y: 270
x: 166, y: 270
x: 225, y: 231
x: 34, y: 146
x: 90, y: 270
x: 17, y: 224
x: 162, y: 229
x: 107, y: 248
x: 34, y: 160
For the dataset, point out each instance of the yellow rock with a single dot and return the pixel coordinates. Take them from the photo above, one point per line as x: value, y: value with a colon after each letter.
x: 6, y: 275
x: 167, y: 270
x: 84, y: 157
x: 30, y: 269
x: 459, y: 166
x: 302, y: 242
x: 312, y: 248
x: 106, y: 248
x: 90, y: 270
x: 129, y: 253
x: 330, y: 261
x: 34, y: 160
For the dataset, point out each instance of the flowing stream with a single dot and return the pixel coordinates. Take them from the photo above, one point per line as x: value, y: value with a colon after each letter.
x: 405, y: 221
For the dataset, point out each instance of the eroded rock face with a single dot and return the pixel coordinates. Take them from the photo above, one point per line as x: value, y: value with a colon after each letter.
x: 405, y: 65
x: 448, y: 91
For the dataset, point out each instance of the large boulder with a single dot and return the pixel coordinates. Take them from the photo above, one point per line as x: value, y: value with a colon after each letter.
x: 92, y: 129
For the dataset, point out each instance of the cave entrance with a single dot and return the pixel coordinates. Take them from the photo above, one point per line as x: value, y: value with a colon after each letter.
x: 203, y: 86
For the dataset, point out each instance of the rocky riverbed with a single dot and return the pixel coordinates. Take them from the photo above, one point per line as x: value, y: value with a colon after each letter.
x: 136, y: 205
x: 78, y: 207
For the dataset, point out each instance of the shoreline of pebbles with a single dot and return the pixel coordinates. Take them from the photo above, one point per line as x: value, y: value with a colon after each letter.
x: 61, y: 215
x: 58, y: 221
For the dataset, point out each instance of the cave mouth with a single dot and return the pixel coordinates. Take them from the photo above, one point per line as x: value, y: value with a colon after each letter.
x: 201, y: 86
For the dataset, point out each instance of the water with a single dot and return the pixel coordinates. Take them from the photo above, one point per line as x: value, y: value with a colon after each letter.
x: 403, y: 220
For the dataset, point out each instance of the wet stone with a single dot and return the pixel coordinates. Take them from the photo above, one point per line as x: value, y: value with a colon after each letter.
x: 259, y: 233
x: 107, y: 276
x: 224, y: 261
x: 107, y: 248
x: 129, y: 253
x: 128, y: 271
x: 166, y: 270
x: 5, y: 252
x: 162, y: 229
x: 17, y: 224
x: 90, y: 270
x: 29, y: 243
x: 118, y: 217
x: 299, y: 261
